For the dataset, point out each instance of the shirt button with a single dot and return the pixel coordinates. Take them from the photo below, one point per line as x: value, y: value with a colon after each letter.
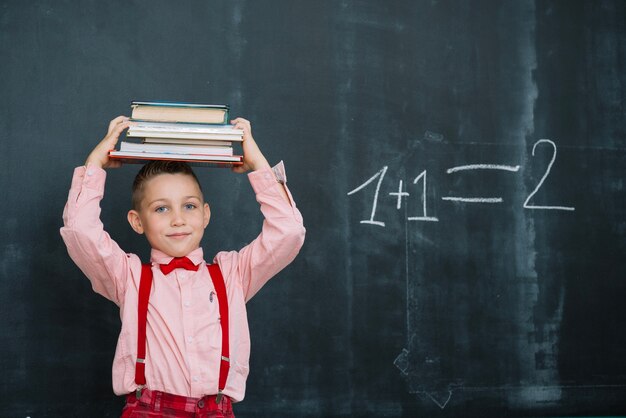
x: 189, y: 340
x: 90, y: 173
x: 195, y: 379
x: 187, y: 303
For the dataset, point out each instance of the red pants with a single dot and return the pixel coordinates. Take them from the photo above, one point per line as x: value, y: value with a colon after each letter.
x: 154, y: 404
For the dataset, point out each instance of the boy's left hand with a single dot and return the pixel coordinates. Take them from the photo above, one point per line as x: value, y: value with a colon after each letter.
x: 253, y: 159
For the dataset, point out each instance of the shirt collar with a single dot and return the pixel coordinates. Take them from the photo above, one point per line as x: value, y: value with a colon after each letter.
x: 159, y: 257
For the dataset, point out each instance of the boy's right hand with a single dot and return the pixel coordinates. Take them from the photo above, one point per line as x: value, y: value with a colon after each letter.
x: 100, y: 154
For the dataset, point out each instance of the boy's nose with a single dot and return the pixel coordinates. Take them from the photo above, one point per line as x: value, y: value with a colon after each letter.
x: 177, y: 219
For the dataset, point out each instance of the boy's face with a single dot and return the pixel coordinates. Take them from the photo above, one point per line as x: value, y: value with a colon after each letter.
x: 172, y: 214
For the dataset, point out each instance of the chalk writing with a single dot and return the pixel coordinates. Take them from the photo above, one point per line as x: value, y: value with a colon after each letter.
x: 425, y: 217
x: 545, y: 175
x: 483, y: 167
x: 400, y: 193
x: 474, y: 199
x: 381, y: 173
x: 479, y: 167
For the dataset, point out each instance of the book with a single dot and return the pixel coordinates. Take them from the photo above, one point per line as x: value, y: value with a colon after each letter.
x: 184, y: 127
x: 187, y: 141
x: 180, y: 132
x: 127, y: 159
x: 176, y: 148
x: 184, y: 135
x: 140, y: 129
x: 179, y: 112
x: 176, y: 157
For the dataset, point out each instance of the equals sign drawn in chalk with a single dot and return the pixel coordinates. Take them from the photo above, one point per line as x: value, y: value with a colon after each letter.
x: 511, y: 168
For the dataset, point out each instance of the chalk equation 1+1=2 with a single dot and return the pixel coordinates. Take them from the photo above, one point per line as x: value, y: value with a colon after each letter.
x: 399, y: 194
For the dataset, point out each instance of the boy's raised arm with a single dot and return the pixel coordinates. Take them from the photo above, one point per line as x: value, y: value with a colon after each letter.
x: 283, y: 232
x: 89, y: 246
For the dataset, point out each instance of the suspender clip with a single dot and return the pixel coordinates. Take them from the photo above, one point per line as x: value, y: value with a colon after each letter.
x: 138, y: 391
x: 218, y: 398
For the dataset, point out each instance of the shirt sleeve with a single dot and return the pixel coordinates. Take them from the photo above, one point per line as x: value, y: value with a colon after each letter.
x: 280, y: 240
x: 104, y: 263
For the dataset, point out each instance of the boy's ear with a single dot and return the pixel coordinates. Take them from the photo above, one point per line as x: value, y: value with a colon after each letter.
x: 207, y: 214
x: 135, y: 221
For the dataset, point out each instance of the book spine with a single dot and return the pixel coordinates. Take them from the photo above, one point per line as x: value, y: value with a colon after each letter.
x: 180, y: 104
x: 185, y: 141
x: 193, y: 163
x: 174, y: 156
x: 175, y: 149
x: 140, y: 124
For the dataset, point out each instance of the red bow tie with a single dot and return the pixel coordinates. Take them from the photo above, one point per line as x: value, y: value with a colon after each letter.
x: 178, y: 263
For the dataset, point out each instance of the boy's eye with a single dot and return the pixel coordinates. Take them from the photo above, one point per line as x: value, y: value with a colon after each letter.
x: 160, y: 209
x: 190, y: 206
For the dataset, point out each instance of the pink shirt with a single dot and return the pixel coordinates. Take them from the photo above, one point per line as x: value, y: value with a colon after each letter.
x: 183, y: 333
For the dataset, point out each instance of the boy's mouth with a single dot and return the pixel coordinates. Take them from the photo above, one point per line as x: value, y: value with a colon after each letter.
x: 179, y: 235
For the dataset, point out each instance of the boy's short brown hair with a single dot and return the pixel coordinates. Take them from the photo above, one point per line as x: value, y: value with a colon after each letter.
x: 155, y: 168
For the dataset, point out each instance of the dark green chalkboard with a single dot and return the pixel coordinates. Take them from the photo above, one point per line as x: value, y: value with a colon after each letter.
x: 461, y: 169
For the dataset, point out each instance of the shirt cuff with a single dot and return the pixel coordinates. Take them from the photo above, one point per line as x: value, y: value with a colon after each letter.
x: 91, y: 176
x: 265, y: 178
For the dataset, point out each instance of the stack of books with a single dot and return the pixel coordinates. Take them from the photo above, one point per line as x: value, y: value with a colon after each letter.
x: 195, y: 133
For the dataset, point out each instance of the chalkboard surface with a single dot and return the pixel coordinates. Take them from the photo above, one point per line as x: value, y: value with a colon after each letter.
x: 461, y: 169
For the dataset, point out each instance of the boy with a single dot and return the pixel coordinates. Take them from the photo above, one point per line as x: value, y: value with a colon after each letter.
x: 180, y: 367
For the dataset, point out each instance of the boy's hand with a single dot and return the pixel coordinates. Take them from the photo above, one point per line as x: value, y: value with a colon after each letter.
x: 100, y: 154
x: 253, y: 159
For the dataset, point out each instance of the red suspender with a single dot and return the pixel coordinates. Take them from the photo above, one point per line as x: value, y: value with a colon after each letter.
x: 145, y: 286
x: 222, y: 299
x: 142, y: 317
